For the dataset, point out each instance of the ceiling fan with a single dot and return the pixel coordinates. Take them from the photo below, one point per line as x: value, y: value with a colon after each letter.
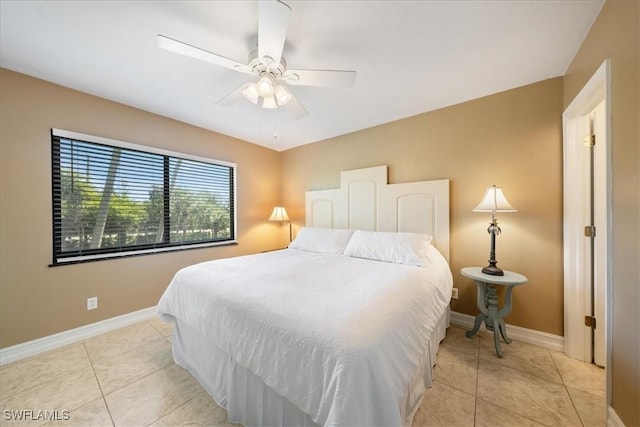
x: 267, y: 64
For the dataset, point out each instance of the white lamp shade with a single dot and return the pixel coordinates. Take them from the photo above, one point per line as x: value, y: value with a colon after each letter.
x: 265, y: 86
x: 251, y: 93
x: 279, y: 214
x: 494, y: 201
x: 269, y: 102
x: 282, y: 95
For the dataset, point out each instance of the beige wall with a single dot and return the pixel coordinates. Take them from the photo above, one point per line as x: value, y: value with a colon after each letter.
x: 615, y: 34
x: 512, y: 139
x: 37, y: 300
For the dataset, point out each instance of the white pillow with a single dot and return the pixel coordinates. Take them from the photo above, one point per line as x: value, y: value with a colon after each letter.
x: 399, y: 248
x: 323, y: 240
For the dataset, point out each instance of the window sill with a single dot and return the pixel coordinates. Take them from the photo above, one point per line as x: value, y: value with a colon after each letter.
x: 119, y: 255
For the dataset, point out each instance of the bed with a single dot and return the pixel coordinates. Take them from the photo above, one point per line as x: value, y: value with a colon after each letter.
x: 339, y: 329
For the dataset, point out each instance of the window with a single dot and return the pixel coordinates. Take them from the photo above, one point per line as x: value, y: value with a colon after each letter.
x: 112, y: 198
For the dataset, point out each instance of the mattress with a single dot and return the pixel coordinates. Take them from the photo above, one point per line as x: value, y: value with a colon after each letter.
x: 343, y: 340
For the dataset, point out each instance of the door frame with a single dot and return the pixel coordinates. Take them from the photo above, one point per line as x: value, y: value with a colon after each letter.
x: 577, y: 337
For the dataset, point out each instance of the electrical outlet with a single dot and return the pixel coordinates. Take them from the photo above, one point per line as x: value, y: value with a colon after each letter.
x: 454, y: 293
x: 92, y: 303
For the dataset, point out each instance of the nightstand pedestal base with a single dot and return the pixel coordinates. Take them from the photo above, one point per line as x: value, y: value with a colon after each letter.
x: 490, y: 314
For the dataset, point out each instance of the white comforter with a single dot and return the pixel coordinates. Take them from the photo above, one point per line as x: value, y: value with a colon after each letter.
x: 342, y: 338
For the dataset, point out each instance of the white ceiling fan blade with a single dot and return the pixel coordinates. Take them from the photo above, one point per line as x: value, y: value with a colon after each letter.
x: 295, y: 108
x: 201, y: 54
x: 233, y: 97
x: 338, y: 78
x: 273, y: 21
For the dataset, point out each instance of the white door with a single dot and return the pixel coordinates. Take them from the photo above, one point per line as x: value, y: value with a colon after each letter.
x: 599, y: 201
x: 586, y: 170
x: 594, y: 204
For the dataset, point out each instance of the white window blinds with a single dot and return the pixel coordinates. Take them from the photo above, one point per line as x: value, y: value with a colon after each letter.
x: 113, y: 199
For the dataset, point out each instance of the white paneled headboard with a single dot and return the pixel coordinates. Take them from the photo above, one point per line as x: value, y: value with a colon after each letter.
x: 365, y: 201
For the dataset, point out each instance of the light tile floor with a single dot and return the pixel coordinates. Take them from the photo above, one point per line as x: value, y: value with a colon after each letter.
x: 128, y: 378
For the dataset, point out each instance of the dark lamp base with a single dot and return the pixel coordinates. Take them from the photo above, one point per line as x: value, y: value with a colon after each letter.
x: 493, y: 270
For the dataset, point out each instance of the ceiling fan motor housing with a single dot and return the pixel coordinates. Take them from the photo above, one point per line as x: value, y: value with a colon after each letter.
x: 260, y: 66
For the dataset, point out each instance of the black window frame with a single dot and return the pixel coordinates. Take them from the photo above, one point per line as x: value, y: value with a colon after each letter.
x: 61, y: 257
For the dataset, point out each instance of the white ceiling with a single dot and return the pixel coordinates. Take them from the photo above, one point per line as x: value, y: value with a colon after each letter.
x: 411, y: 56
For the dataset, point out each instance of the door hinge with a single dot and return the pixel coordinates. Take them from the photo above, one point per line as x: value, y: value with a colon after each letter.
x: 590, y: 230
x: 589, y: 141
x: 590, y: 321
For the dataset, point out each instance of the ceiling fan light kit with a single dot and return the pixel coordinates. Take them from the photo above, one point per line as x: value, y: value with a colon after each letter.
x: 266, y: 62
x: 269, y: 91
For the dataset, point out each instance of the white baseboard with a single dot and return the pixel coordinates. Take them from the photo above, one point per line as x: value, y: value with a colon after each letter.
x: 613, y: 420
x: 41, y: 345
x: 530, y: 336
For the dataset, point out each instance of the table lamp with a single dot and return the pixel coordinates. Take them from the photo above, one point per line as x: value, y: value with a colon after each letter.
x: 493, y: 201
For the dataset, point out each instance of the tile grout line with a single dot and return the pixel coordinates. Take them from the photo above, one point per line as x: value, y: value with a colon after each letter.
x: 104, y: 399
x: 172, y: 411
x: 140, y: 378
x: 153, y: 326
x: 134, y: 381
x: 496, y: 361
x: 166, y: 338
x: 533, y: 375
x: 573, y: 403
x: 40, y: 384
